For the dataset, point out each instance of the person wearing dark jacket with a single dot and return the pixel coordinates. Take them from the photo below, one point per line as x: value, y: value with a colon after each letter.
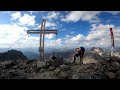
x: 79, y: 52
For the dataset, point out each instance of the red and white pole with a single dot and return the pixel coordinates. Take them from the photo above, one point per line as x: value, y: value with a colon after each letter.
x: 112, y: 42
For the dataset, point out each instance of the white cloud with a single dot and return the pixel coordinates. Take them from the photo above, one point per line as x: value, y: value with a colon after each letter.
x: 4, y: 12
x: 52, y: 15
x: 49, y: 36
x: 16, y: 15
x: 100, y: 35
x: 53, y: 43
x: 27, y: 20
x: 31, y: 12
x: 77, y: 38
x: 113, y: 12
x: 49, y: 25
x: 99, y: 32
x: 14, y: 36
x: 67, y: 36
x: 32, y: 41
x: 81, y: 15
x: 10, y: 34
x: 72, y: 32
x: 101, y: 27
x: 73, y: 41
x: 58, y: 41
x: 90, y: 16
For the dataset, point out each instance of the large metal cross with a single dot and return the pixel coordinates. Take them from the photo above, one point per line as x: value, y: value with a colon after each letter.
x: 42, y: 32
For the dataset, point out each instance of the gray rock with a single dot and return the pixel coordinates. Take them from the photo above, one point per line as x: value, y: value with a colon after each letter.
x: 113, y: 69
x: 42, y: 70
x: 55, y: 63
x: 110, y: 75
x: 22, y: 67
x: 57, y: 71
x: 117, y: 74
x: 41, y: 64
x: 52, y: 68
x: 115, y: 64
x: 27, y: 70
x: 64, y: 67
x: 21, y: 72
x: 75, y: 77
x: 15, y: 67
x: 13, y: 73
x: 9, y: 64
x: 63, y: 75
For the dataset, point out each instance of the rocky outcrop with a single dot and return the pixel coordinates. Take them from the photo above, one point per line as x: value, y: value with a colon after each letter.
x: 12, y: 55
x: 97, y: 50
x: 17, y: 69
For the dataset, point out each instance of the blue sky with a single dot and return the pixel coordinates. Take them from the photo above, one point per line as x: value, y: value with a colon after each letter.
x: 75, y: 28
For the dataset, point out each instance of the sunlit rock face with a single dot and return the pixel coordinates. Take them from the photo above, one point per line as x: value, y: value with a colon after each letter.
x: 97, y: 50
x: 98, y: 53
x: 117, y: 54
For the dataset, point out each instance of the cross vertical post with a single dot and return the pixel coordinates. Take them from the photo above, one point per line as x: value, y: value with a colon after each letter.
x: 42, y: 32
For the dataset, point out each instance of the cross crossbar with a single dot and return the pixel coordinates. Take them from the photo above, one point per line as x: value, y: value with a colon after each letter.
x: 38, y: 31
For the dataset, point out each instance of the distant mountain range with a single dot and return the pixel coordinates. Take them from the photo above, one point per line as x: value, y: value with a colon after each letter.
x: 48, y: 54
x: 31, y: 55
x: 12, y: 55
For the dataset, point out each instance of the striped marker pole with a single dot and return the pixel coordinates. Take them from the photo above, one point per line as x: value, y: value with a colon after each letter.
x: 112, y: 42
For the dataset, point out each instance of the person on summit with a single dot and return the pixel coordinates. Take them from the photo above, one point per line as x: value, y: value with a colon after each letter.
x: 79, y: 52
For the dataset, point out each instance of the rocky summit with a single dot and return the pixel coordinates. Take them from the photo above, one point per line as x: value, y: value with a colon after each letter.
x: 60, y: 69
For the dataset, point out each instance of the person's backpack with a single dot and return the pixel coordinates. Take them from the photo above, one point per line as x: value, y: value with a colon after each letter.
x: 83, y: 49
